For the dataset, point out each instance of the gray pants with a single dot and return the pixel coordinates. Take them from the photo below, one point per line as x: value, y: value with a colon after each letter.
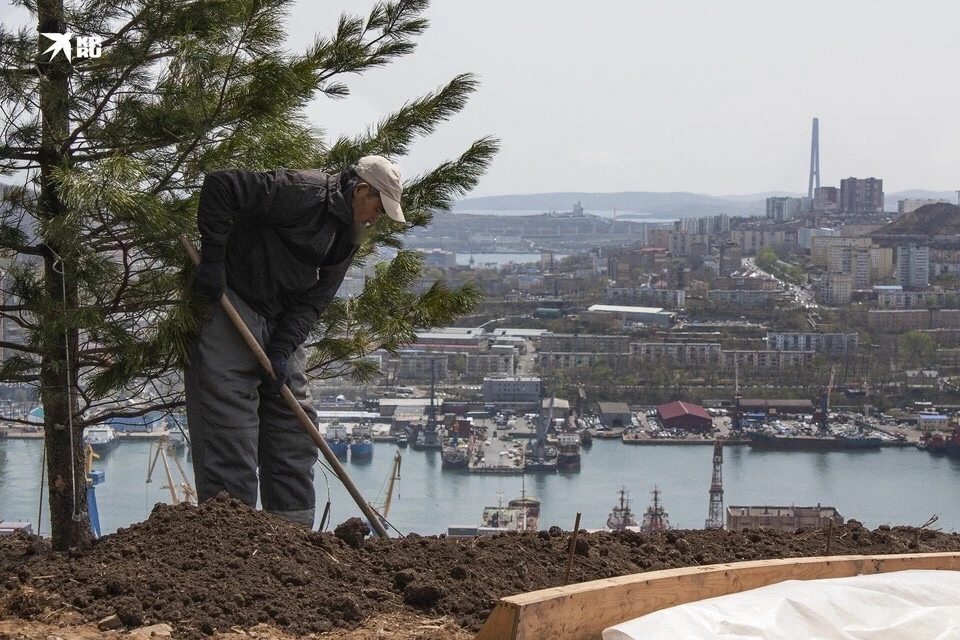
x: 238, y: 427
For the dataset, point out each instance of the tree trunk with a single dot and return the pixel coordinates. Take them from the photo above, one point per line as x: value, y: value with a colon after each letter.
x: 69, y: 520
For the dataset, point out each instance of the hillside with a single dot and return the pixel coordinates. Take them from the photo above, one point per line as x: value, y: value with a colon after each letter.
x: 929, y: 220
x: 222, y: 570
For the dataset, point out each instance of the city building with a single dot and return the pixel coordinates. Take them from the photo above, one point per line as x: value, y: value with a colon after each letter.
x: 783, y: 209
x: 821, y: 246
x: 896, y: 298
x: 767, y: 360
x: 669, y: 298
x: 615, y: 414
x: 554, y: 360
x: 805, y: 235
x: 568, y: 342
x: 685, y: 417
x: 480, y: 364
x: 913, y: 266
x: 647, y: 315
x: 745, y: 298
x: 826, y: 199
x: 414, y: 366
x: 833, y: 343
x: 851, y: 260
x: 881, y: 263
x: 861, y: 195
x: 787, y: 519
x: 837, y: 288
x: 678, y: 353
x: 513, y: 391
x: 900, y: 320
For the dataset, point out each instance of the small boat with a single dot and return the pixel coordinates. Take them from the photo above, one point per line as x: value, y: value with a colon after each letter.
x: 655, y: 519
x: 102, y: 438
x: 403, y: 440
x: 621, y: 517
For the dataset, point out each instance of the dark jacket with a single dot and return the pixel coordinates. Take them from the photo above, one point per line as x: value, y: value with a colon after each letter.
x: 286, y: 238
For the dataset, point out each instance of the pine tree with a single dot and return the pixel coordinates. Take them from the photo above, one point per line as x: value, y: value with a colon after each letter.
x: 108, y: 154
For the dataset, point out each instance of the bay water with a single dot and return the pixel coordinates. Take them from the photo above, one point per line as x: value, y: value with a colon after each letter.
x: 890, y: 486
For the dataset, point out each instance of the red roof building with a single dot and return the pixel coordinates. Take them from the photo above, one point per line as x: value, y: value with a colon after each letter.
x: 684, y: 416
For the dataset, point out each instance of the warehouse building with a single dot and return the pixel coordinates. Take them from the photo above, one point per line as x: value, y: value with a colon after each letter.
x: 685, y: 417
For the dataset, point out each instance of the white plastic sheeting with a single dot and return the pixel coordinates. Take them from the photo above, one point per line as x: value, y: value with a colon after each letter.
x: 900, y: 605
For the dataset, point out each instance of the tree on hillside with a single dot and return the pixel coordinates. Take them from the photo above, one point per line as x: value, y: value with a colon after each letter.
x: 109, y: 153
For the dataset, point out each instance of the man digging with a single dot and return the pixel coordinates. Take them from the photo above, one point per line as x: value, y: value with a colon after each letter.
x: 278, y: 244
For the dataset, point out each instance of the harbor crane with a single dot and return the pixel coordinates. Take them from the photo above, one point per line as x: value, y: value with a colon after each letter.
x: 821, y: 416
x: 189, y: 494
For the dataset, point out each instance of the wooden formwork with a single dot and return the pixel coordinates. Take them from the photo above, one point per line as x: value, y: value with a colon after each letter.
x: 582, y: 611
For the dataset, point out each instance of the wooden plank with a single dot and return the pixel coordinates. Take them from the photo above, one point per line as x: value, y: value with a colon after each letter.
x: 582, y: 611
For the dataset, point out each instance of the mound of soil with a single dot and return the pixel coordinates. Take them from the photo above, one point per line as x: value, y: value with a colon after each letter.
x: 221, y: 566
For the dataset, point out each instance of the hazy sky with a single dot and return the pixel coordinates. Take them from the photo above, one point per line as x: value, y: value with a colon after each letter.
x: 712, y: 97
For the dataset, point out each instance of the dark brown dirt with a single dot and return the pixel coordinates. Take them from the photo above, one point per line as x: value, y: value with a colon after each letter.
x: 222, y: 566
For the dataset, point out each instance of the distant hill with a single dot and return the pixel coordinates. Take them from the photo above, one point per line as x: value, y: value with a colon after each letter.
x: 680, y: 204
x: 929, y: 220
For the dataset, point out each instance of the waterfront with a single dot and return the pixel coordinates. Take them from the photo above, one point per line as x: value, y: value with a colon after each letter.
x: 892, y: 486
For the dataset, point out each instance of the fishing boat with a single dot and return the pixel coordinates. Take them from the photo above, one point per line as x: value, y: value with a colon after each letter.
x: 568, y: 456
x: 102, y: 438
x: 336, y: 437
x: 361, y: 442
x: 655, y: 519
x: 453, y: 455
x: 621, y: 517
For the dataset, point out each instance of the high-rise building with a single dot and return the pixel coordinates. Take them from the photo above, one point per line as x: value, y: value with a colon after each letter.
x: 783, y: 209
x: 913, y: 266
x: 826, y: 199
x: 861, y: 195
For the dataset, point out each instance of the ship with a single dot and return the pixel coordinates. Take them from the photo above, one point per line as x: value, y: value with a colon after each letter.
x: 403, y: 440
x: 177, y: 439
x: 621, y: 517
x: 952, y: 447
x: 429, y: 436
x: 361, y: 442
x: 541, y: 457
x: 521, y: 514
x: 655, y: 519
x: 336, y: 437
x: 568, y: 456
x: 764, y: 440
x: 102, y: 438
x: 454, y: 456
x: 586, y: 440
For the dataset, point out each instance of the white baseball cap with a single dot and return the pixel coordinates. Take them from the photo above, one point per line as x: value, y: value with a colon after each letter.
x: 384, y: 176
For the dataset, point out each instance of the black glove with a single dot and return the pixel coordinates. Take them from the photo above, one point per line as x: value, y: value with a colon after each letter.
x: 279, y: 363
x: 211, y: 277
